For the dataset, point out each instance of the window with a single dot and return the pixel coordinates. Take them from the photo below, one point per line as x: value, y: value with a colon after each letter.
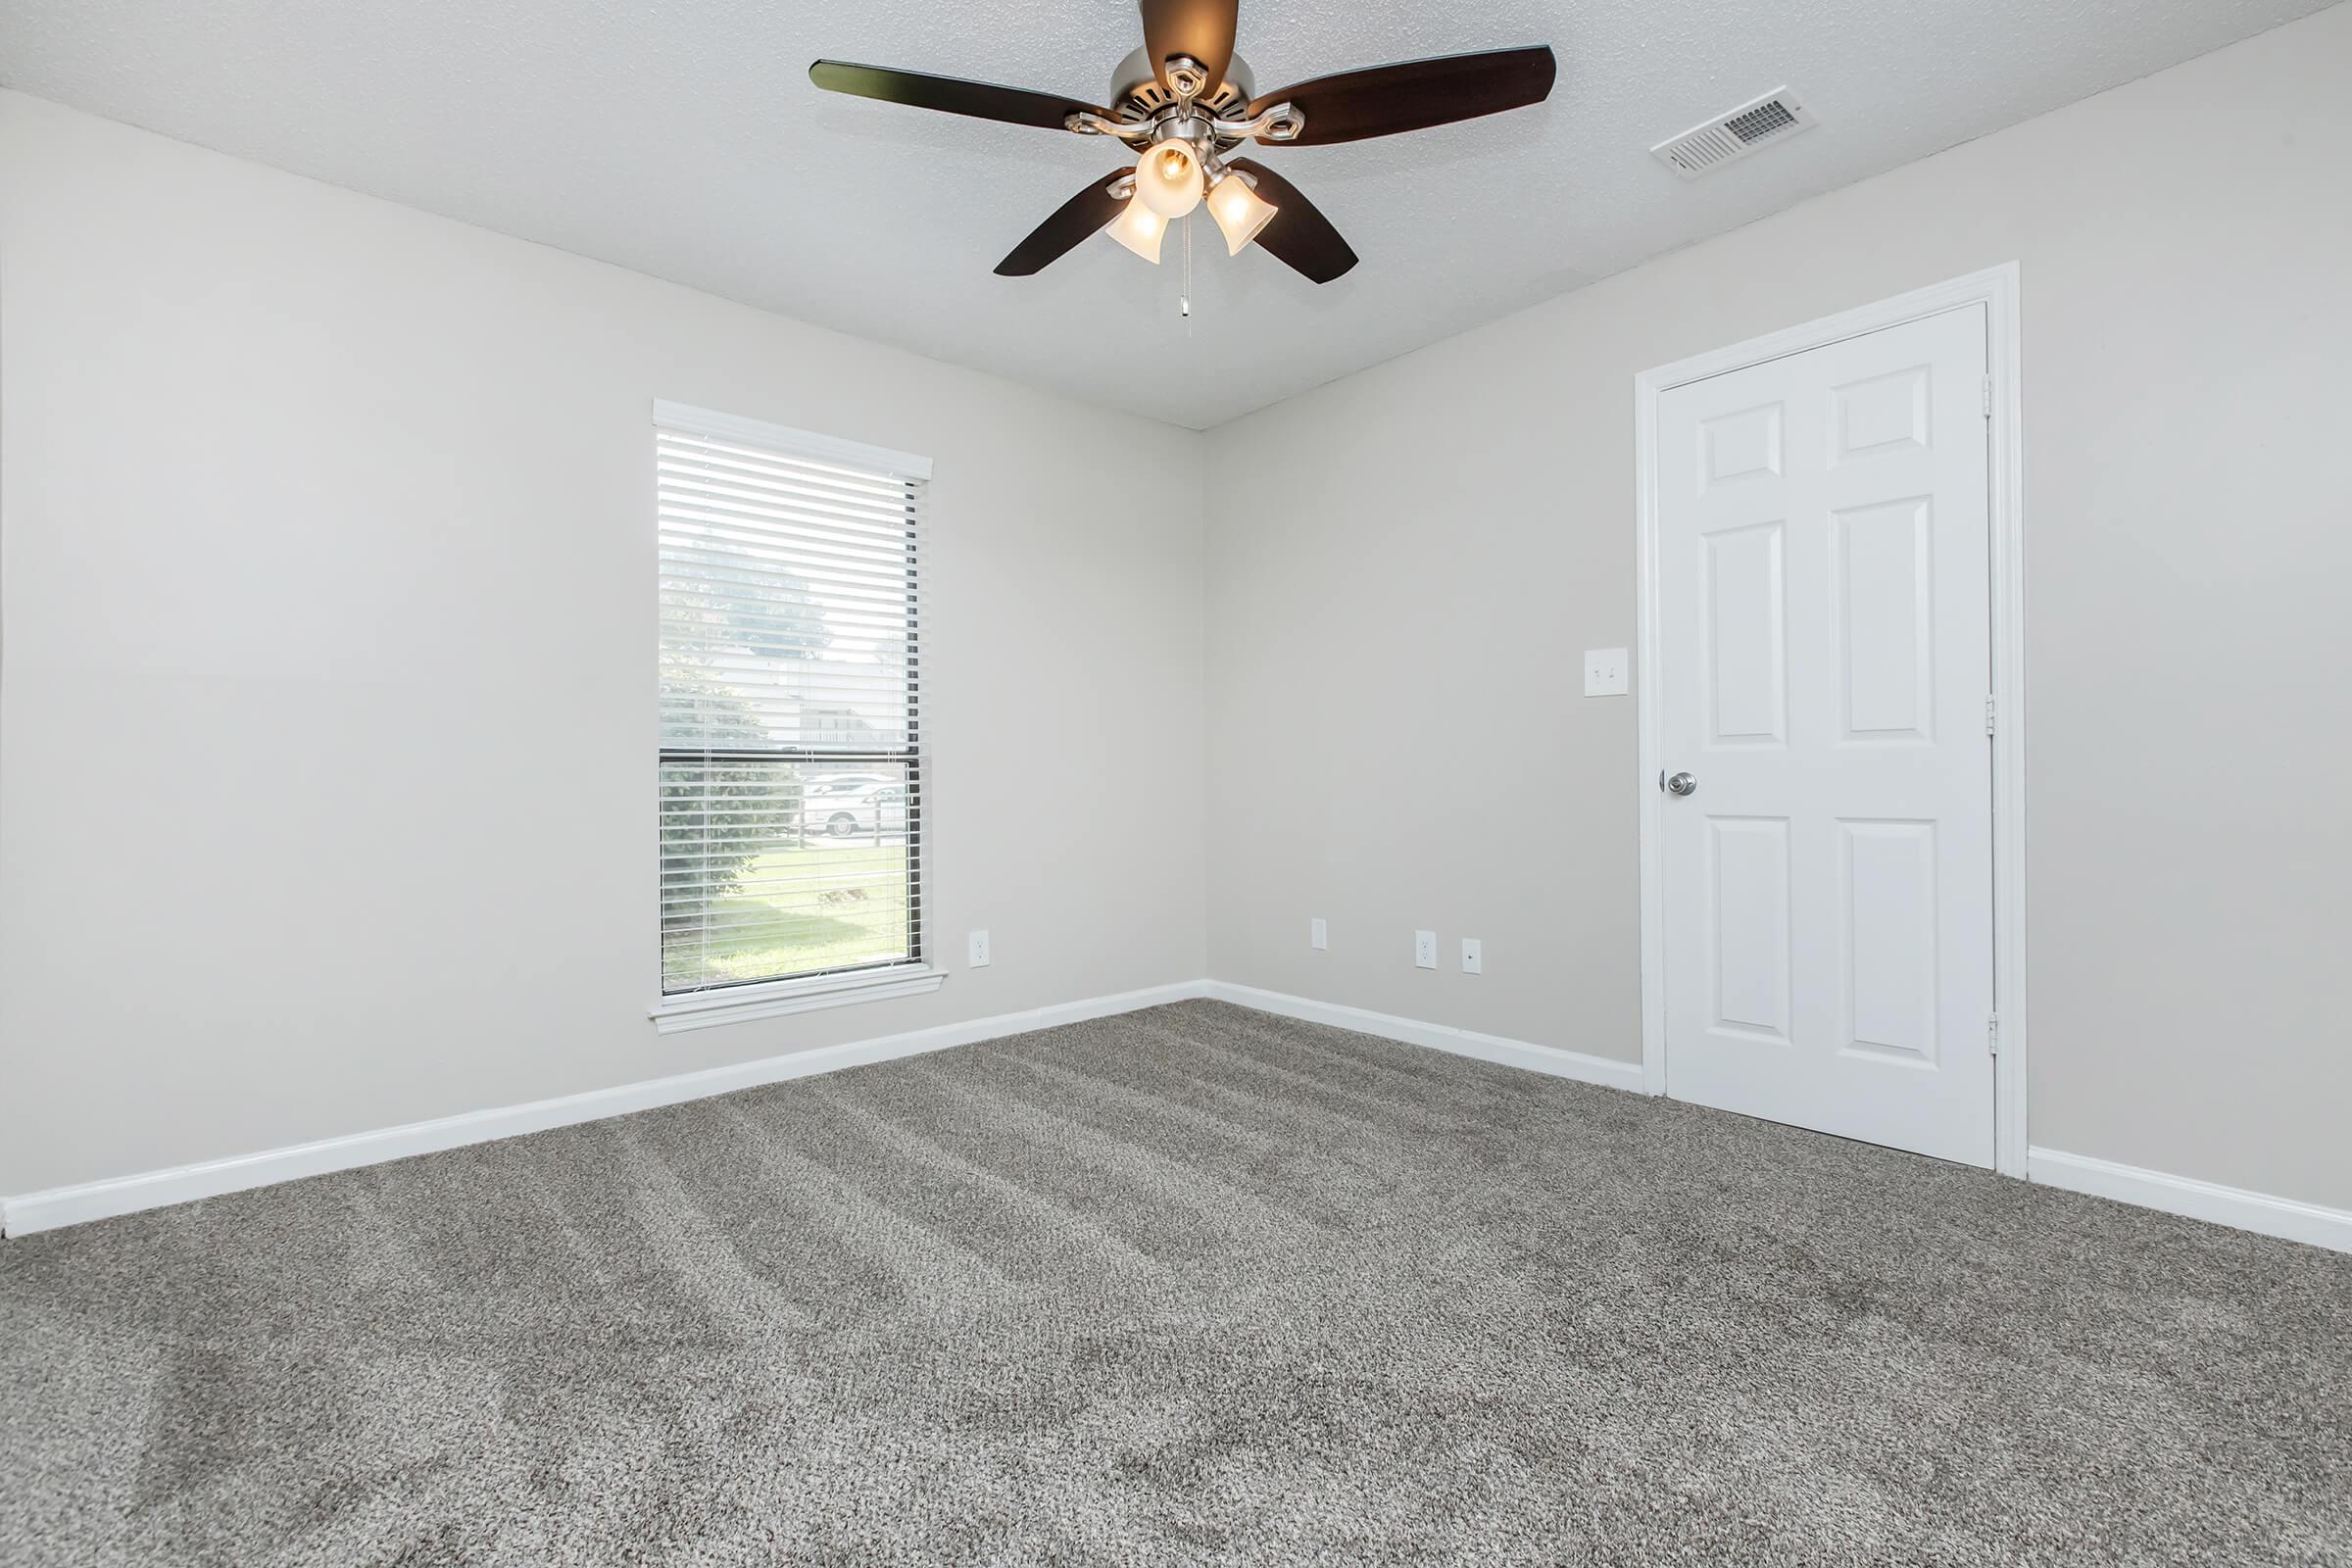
x: 790, y: 747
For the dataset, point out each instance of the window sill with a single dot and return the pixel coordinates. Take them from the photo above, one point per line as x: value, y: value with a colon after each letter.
x: 704, y: 1009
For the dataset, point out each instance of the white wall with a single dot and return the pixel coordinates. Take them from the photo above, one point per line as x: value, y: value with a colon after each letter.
x: 1396, y: 621
x: 327, y: 675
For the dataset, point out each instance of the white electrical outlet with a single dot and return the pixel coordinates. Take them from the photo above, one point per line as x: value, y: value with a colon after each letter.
x: 1317, y: 936
x: 1425, y: 949
x: 1604, y: 672
x: 1474, y: 960
x: 978, y: 959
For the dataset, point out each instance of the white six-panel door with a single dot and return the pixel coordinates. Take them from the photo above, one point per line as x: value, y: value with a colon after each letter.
x: 1824, y: 669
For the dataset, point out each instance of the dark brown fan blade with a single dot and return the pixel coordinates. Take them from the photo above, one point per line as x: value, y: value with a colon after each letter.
x: 1298, y: 236
x: 1015, y: 105
x: 1417, y: 94
x: 1202, y: 29
x: 1083, y: 215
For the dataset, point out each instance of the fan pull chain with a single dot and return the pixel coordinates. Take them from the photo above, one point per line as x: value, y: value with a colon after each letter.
x: 1184, y: 300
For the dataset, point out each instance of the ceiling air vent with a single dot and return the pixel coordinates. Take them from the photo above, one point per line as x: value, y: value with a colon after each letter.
x: 1753, y: 124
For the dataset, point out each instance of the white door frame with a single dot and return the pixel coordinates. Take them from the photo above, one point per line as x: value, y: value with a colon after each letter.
x: 1997, y: 290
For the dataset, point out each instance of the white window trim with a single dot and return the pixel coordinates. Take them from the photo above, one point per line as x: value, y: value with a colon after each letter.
x: 676, y: 1013
x: 773, y: 999
x: 784, y: 438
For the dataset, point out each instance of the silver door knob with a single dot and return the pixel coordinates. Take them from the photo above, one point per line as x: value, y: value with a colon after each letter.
x: 1683, y: 784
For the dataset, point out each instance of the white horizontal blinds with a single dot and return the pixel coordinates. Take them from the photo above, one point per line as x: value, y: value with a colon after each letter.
x: 791, y: 774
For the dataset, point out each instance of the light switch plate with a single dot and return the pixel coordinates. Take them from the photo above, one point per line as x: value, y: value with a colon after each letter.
x: 1606, y: 672
x: 1318, y: 936
x: 1425, y: 949
x: 1474, y: 956
x: 978, y: 957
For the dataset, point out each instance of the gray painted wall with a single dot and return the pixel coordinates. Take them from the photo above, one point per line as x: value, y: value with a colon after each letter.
x: 327, y: 695
x: 1395, y: 624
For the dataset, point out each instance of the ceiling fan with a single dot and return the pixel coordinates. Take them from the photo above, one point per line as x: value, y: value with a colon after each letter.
x: 1184, y: 101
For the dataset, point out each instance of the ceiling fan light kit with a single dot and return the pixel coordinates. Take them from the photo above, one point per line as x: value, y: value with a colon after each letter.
x: 1140, y: 230
x: 1240, y: 211
x: 1168, y: 178
x: 1187, y: 103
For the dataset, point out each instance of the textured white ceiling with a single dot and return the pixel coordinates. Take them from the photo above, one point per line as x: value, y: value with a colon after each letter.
x: 682, y: 138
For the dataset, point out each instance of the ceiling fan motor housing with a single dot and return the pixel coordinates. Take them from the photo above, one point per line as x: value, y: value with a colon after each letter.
x: 1137, y: 94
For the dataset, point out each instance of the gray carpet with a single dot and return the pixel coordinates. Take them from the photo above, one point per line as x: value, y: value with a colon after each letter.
x: 1195, y: 1285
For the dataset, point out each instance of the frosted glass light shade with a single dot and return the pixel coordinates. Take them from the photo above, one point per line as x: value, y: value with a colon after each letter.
x: 1140, y: 230
x: 1167, y: 179
x: 1240, y: 211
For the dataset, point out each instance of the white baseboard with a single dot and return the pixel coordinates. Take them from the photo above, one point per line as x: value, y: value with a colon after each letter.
x: 1548, y: 1059
x: 22, y: 1215
x: 2262, y: 1212
x: 125, y: 1195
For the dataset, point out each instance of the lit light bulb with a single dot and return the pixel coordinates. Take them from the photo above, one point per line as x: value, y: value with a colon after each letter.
x: 1140, y: 230
x: 1240, y: 211
x: 1167, y: 179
